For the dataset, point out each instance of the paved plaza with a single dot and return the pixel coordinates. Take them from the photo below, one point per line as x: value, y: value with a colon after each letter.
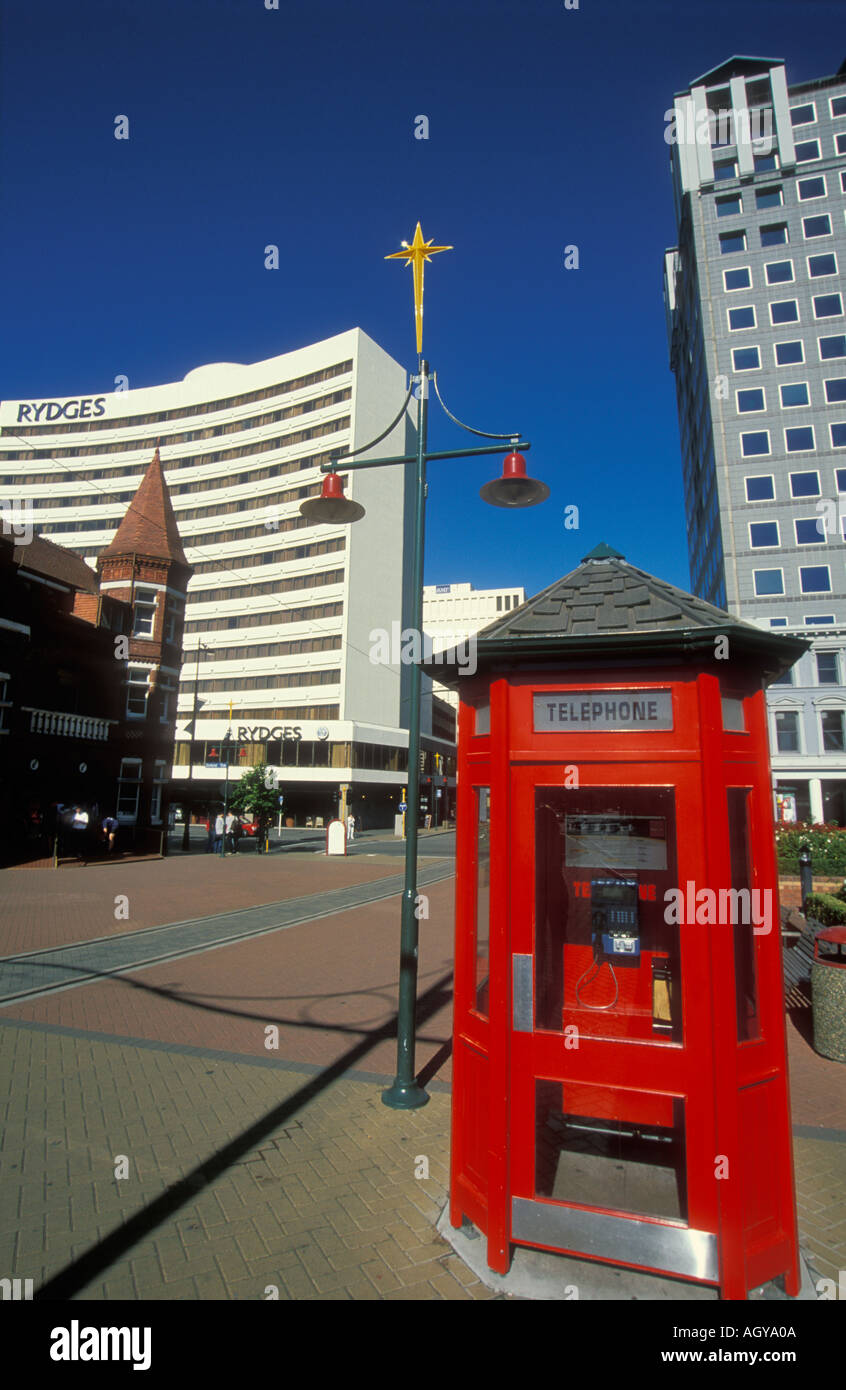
x: 192, y: 1054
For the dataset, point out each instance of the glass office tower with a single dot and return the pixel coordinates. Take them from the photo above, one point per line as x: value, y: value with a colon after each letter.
x: 754, y: 299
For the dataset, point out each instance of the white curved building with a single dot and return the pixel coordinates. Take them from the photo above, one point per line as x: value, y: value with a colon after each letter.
x: 279, y: 609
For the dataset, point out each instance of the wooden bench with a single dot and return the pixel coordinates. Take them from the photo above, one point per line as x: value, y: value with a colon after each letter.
x: 797, y: 937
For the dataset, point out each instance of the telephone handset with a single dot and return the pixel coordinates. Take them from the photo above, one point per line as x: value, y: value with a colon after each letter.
x: 614, y: 931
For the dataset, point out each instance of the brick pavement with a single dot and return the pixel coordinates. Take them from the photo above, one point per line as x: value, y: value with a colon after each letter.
x: 321, y: 1201
x: 46, y: 907
x: 251, y: 1169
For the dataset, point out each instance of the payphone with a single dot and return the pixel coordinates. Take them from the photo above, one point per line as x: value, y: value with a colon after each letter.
x: 610, y: 1039
x: 613, y: 907
x: 614, y: 928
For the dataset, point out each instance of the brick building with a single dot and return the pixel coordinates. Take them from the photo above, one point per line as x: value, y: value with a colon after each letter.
x: 88, y: 672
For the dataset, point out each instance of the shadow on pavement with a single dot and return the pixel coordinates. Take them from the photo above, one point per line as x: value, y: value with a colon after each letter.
x: 82, y: 1271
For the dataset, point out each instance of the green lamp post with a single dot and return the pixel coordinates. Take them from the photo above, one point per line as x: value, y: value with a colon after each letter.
x: 514, y: 489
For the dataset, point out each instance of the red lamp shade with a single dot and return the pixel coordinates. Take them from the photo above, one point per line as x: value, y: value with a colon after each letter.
x: 331, y: 507
x: 515, y: 488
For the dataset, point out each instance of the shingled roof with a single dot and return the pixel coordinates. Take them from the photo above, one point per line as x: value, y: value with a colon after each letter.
x: 41, y: 556
x: 610, y: 607
x: 149, y: 525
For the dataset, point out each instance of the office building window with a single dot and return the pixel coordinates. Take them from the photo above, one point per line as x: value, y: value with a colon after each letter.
x: 832, y: 347
x: 796, y: 393
x: 786, y: 354
x: 822, y: 265
x: 757, y: 443
x: 746, y: 359
x: 774, y: 235
x: 784, y: 311
x: 760, y: 488
x: 768, y: 582
x: 738, y: 279
x: 811, y: 188
x: 763, y: 534
x: 838, y: 106
x: 819, y: 620
x: 809, y: 530
x: 787, y: 730
x: 838, y: 441
x: 778, y: 622
x: 840, y: 479
x: 769, y: 197
x: 806, y: 150
x: 804, y: 485
x: 741, y: 318
x: 803, y: 115
x: 828, y: 668
x: 729, y: 207
x: 779, y: 272
x: 827, y: 306
x: 799, y: 439
x: 835, y: 389
x: 750, y: 400
x: 840, y: 147
x: 832, y: 731
x: 765, y: 163
x: 815, y: 579
x: 732, y: 241
x: 725, y: 169
x: 843, y: 181
x: 816, y: 226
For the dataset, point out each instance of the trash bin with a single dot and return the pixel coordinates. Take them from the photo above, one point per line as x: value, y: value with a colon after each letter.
x: 828, y: 991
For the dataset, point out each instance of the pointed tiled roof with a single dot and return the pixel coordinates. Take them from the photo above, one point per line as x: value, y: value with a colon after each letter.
x: 149, y: 526
x: 608, y: 607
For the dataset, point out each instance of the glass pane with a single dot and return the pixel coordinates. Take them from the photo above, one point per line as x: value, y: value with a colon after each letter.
x: 744, y: 941
x: 483, y: 894
x: 601, y: 1147
x: 606, y: 961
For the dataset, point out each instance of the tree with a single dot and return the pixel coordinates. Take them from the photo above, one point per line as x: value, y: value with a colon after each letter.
x: 253, y: 794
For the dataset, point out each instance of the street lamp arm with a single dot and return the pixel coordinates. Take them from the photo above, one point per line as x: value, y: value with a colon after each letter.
x: 378, y: 440
x: 484, y: 434
x: 412, y: 458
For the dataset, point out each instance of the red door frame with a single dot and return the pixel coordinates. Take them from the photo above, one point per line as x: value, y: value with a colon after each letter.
x: 657, y: 1067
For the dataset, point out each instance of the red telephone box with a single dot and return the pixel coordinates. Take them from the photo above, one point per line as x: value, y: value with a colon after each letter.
x: 620, y: 1082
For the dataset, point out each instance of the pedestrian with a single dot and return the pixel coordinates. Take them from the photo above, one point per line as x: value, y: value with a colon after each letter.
x: 230, y: 832
x: 218, y: 832
x: 350, y: 826
x: 110, y: 830
x: 79, y: 825
x: 210, y: 835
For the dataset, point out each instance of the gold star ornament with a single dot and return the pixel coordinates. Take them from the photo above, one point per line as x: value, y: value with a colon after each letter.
x: 416, y: 254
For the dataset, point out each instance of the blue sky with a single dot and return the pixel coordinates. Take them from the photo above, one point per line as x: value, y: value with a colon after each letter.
x: 295, y: 126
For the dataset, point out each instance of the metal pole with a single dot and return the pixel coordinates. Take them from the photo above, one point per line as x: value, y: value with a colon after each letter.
x: 806, y: 875
x: 404, y: 1093
x: 226, y: 743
